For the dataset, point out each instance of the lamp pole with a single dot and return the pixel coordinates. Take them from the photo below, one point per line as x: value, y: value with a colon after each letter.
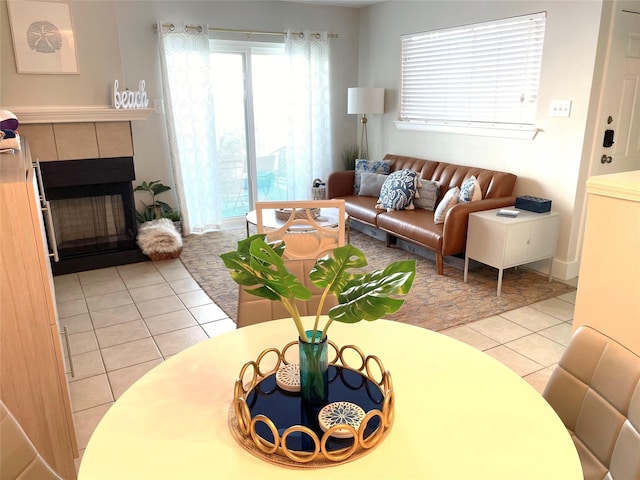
x: 364, y: 138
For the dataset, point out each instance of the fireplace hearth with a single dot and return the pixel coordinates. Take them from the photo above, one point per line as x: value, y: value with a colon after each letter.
x: 93, y: 211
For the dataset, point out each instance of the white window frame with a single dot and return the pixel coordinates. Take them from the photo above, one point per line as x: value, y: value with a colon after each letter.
x: 478, y: 79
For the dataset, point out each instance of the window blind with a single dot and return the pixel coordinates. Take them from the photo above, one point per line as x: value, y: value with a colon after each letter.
x: 483, y: 75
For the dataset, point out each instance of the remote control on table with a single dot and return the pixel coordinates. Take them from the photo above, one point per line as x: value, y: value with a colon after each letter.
x: 505, y: 212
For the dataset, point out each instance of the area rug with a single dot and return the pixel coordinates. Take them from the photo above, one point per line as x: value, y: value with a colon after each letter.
x: 435, y: 302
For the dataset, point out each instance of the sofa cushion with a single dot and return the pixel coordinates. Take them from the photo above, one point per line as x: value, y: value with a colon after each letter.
x: 361, y: 208
x: 414, y: 225
x: 428, y: 192
x: 449, y: 200
x: 373, y: 166
x: 398, y: 191
x: 371, y: 184
x: 470, y: 190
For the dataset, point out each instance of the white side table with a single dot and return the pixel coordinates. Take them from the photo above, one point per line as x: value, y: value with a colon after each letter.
x: 504, y: 242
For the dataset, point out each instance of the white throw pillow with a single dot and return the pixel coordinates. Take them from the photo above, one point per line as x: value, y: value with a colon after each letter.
x: 449, y: 200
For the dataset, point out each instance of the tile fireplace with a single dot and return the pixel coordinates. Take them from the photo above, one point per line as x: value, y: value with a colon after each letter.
x: 86, y: 157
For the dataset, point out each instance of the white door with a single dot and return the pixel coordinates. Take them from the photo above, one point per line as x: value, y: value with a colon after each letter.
x: 620, y: 96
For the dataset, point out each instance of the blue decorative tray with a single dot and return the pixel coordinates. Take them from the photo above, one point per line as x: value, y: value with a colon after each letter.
x: 286, y: 409
x: 275, y: 425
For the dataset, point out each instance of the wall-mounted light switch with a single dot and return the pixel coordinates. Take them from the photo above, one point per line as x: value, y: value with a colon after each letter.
x: 560, y: 108
x: 157, y: 106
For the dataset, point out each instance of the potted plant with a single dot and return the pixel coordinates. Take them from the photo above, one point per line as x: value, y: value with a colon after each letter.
x: 361, y: 296
x: 349, y: 156
x: 157, y: 208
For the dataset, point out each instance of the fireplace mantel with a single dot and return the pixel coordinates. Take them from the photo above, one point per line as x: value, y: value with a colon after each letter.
x: 78, y: 114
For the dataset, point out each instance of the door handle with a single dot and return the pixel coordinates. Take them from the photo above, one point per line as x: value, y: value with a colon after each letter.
x: 608, y: 138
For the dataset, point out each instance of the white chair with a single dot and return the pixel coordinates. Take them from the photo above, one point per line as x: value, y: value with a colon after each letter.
x: 19, y: 459
x: 306, y: 235
x: 306, y: 240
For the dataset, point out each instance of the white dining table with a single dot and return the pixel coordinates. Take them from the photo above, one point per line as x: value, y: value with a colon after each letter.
x: 459, y: 414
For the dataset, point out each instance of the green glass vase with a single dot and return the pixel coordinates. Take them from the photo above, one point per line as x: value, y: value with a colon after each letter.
x: 314, y: 369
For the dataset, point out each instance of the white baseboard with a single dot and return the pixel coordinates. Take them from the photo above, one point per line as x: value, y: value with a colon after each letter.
x: 560, y: 270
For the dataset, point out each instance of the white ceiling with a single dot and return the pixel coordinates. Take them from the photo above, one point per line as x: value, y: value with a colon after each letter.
x: 338, y: 3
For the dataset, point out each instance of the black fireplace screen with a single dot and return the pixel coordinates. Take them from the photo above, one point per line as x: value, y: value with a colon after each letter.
x: 93, y: 212
x: 89, y: 221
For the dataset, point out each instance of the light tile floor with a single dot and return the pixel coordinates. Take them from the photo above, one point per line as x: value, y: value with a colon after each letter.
x: 123, y: 321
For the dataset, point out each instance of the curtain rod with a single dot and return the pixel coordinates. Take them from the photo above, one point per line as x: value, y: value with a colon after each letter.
x: 198, y: 28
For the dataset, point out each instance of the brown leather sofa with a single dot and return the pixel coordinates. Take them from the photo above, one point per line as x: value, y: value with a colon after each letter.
x: 418, y: 225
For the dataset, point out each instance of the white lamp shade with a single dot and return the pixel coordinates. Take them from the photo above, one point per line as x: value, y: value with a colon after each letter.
x: 365, y: 100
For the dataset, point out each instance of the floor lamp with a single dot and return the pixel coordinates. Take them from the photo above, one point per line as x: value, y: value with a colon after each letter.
x: 363, y: 101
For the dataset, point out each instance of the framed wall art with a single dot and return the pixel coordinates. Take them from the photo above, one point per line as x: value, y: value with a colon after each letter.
x: 43, y: 39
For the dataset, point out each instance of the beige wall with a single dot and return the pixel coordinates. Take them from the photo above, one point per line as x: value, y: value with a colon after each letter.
x: 99, y: 63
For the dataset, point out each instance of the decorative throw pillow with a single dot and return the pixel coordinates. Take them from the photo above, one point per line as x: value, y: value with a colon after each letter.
x: 373, y: 166
x: 427, y: 195
x: 470, y: 190
x: 449, y: 200
x: 398, y: 191
x: 477, y: 192
x: 371, y: 184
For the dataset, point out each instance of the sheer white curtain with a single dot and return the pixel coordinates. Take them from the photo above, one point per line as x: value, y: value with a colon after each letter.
x: 309, y: 149
x: 188, y: 102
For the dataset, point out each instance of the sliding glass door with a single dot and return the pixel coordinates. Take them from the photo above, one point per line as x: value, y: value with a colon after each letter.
x: 250, y: 122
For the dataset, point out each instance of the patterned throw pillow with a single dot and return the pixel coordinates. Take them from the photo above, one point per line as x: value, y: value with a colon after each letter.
x: 470, y: 190
x: 371, y: 184
x: 427, y: 196
x: 449, y: 200
x: 398, y: 191
x: 373, y: 166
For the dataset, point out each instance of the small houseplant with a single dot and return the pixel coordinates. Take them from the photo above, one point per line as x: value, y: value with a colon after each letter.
x: 157, y: 208
x: 361, y: 296
x: 349, y: 156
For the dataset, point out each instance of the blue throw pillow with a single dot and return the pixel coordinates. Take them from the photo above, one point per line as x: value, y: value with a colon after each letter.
x: 470, y: 190
x: 398, y: 191
x: 371, y: 166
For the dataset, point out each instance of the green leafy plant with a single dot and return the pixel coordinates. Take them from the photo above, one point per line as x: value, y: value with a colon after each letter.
x: 349, y: 156
x: 361, y: 296
x: 173, y: 215
x: 155, y: 209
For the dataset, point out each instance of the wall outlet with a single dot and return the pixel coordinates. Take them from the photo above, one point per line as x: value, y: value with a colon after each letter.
x: 560, y: 108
